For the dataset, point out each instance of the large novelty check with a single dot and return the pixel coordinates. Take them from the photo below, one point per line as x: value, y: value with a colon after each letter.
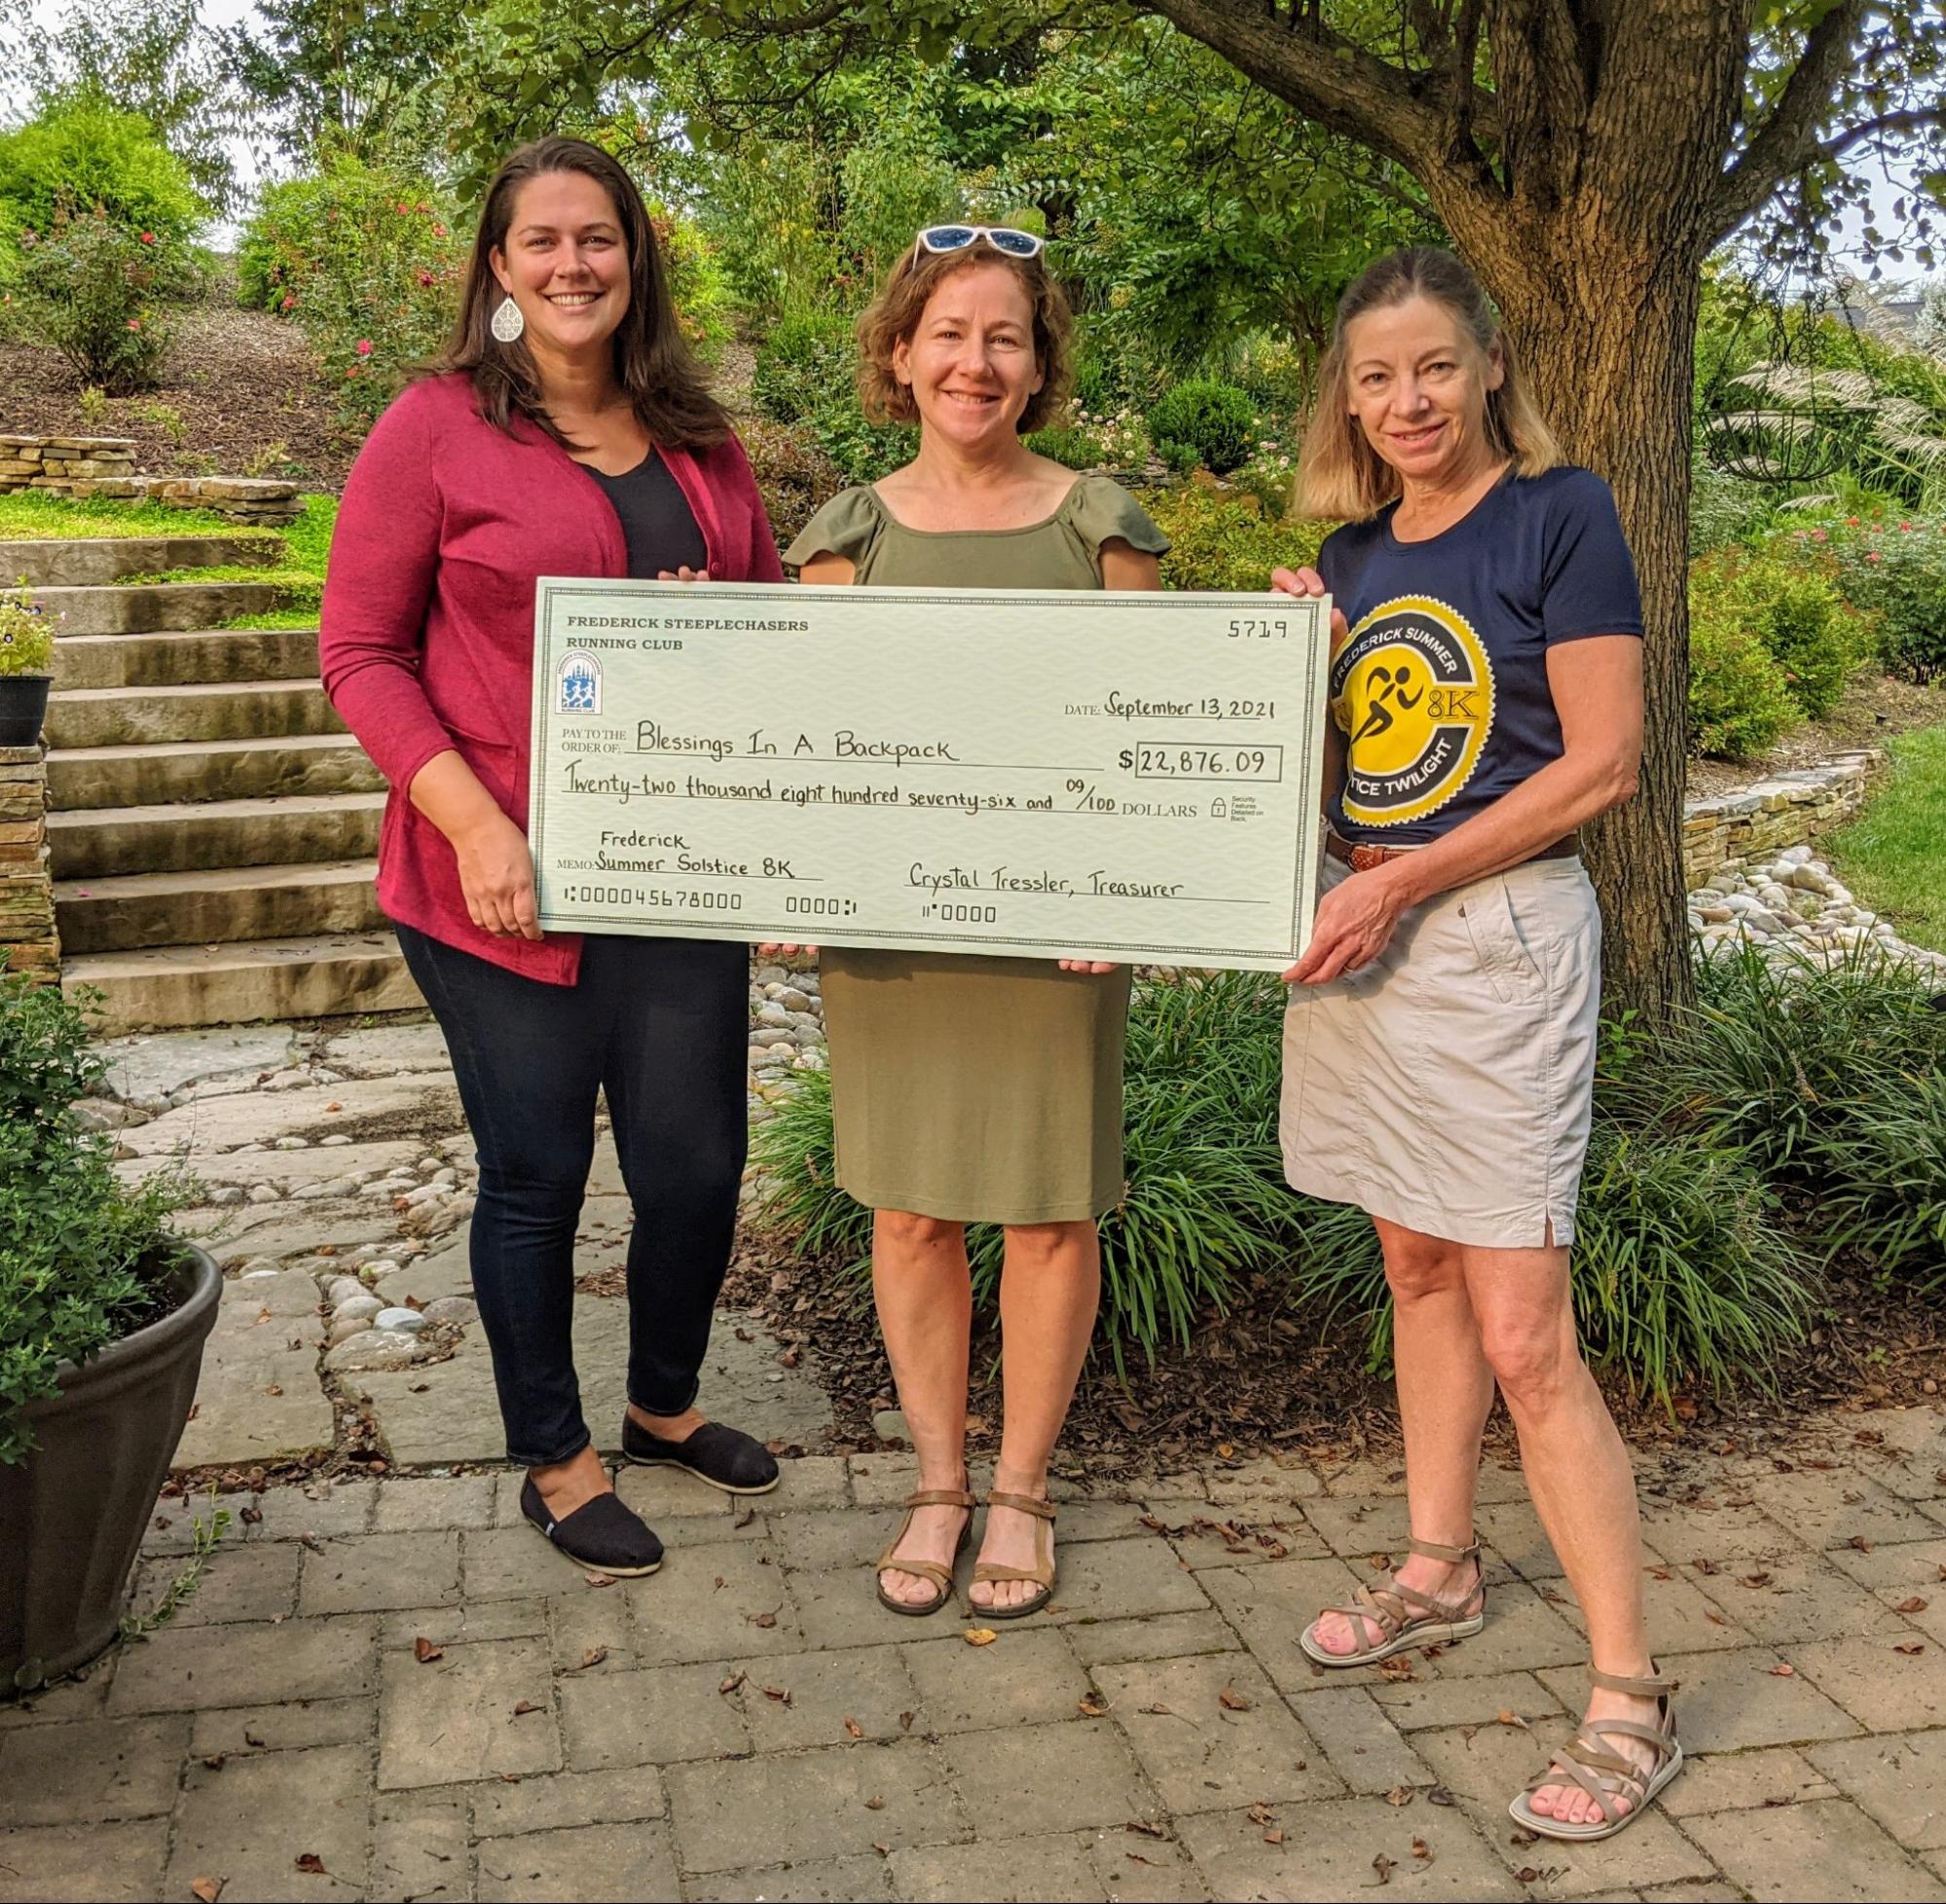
x: 1129, y: 776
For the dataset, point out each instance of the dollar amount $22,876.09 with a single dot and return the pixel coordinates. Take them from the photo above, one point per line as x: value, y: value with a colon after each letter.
x: 1157, y: 760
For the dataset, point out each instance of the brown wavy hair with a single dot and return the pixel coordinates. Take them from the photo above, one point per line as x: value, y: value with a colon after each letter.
x: 653, y: 361
x: 1340, y: 477
x: 894, y: 314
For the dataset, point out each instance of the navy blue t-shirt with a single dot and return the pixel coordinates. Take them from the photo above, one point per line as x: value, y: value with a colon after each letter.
x: 1441, y: 687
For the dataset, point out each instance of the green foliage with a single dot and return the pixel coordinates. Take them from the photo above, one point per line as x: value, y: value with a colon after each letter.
x: 1892, y: 853
x: 1739, y: 700
x: 96, y: 291
x: 1896, y: 574
x: 81, y: 153
x: 1726, y: 510
x: 1795, y: 613
x: 805, y: 366
x: 83, y: 1260
x: 1222, y: 539
x: 1215, y: 423
x: 1087, y: 439
x: 26, y: 634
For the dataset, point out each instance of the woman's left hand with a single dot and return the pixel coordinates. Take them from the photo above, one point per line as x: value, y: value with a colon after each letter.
x: 1355, y: 922
x: 1094, y: 967
x: 684, y: 574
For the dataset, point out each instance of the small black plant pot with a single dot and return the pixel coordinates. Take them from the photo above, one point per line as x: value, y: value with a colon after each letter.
x: 75, y: 1509
x: 23, y: 707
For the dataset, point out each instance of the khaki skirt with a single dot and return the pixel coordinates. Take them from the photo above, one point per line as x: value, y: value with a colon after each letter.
x: 1448, y: 1085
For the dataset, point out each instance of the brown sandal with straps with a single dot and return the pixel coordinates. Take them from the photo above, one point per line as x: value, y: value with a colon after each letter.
x: 941, y: 1577
x: 988, y: 1573
x: 1605, y: 1774
x: 1403, y: 1616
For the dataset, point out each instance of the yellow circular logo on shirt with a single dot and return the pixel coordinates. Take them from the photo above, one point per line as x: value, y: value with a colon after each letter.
x: 1412, y: 689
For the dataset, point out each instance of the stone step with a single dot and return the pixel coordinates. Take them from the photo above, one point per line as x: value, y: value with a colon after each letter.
x: 91, y: 561
x: 194, y: 836
x: 203, y: 711
x: 89, y: 777
x: 180, y: 657
x: 222, y: 904
x: 148, y: 608
x: 174, y: 986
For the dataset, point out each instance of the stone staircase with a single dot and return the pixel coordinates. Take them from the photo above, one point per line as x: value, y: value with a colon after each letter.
x: 212, y: 825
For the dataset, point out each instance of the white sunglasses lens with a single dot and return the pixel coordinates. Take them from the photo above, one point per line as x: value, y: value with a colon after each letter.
x: 1021, y: 244
x: 947, y: 238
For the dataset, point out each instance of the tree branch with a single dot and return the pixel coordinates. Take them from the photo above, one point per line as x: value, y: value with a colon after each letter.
x: 1787, y: 140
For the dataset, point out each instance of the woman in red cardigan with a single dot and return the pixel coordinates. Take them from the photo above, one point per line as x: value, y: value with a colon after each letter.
x: 568, y: 433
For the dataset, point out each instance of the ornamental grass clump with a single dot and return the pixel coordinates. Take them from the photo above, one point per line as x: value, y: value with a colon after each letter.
x: 83, y: 1258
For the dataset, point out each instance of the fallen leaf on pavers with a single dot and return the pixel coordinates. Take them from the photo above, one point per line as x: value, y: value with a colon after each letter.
x: 1861, y: 1543
x: 311, y: 1865
x: 1784, y: 1669
x: 251, y: 1738
x: 1398, y: 1668
x: 1513, y: 1719
x: 1232, y: 1701
x: 905, y: 1721
x: 509, y: 1777
x: 252, y: 1516
x: 1912, y: 1649
x: 1661, y: 1573
x: 1225, y: 1449
x: 1399, y: 1795
x: 1521, y: 1837
x: 310, y: 1540
x: 209, y: 1889
x: 1438, y: 1795
x: 273, y: 1389
x: 746, y: 1518
x: 1714, y: 1618
x: 735, y: 1680
x: 980, y: 1636
x: 852, y: 1727
x: 1707, y: 1567
x: 1384, y: 1866
x: 216, y: 1761
x: 1136, y: 1858
x: 764, y: 1620
x: 1754, y: 1580
x: 744, y: 1334
x: 1158, y: 1711
x: 721, y: 1583
x: 1422, y: 1850
x: 884, y: 1850
x: 600, y: 1579
x: 426, y: 1652
x: 1088, y: 1709
x: 1273, y: 1836
x: 781, y: 1694
x: 1147, y: 1828
x: 1913, y: 1605
x: 592, y: 1657
x: 1262, y: 1814
x: 875, y: 1803
x: 526, y: 1706
x: 789, y: 1359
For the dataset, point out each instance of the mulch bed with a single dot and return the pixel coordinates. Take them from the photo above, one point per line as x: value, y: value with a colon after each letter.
x: 1873, y: 709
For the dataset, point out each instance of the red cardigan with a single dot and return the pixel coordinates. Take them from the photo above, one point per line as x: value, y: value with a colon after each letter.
x: 428, y: 634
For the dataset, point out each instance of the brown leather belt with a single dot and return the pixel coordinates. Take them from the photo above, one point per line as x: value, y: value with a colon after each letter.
x: 1362, y: 859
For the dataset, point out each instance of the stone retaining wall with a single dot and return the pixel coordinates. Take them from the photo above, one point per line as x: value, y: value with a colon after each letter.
x: 27, y: 935
x: 1761, y: 820
x: 86, y: 468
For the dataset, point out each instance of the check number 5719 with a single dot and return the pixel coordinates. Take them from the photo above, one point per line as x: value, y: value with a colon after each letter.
x: 1277, y: 630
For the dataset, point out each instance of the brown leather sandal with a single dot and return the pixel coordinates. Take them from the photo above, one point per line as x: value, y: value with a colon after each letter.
x: 1403, y: 1616
x: 941, y: 1577
x: 989, y: 1573
x: 1605, y: 1774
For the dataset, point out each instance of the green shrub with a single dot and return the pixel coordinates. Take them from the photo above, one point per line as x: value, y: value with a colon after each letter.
x: 1895, y: 572
x: 1220, y: 539
x: 1213, y: 423
x: 1089, y: 439
x: 82, y: 154
x: 1726, y: 510
x: 95, y: 291
x: 83, y: 1259
x: 1739, y: 702
x: 1799, y: 620
x: 794, y: 476
x: 1809, y: 632
x: 806, y: 366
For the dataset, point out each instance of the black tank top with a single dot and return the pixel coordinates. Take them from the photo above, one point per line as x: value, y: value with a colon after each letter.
x: 658, y: 526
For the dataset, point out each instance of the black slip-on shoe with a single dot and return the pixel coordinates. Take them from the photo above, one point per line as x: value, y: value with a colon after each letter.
x: 601, y: 1533
x: 724, y: 1457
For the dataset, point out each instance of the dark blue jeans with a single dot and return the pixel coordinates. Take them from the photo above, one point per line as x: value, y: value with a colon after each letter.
x: 660, y: 1025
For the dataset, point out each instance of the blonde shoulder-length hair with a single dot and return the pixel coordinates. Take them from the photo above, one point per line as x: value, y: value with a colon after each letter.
x: 1340, y: 477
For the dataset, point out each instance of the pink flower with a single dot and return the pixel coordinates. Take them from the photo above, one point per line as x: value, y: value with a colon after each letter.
x: 1871, y: 555
x: 1819, y: 535
x: 351, y: 370
x: 147, y: 238
x: 439, y: 231
x: 364, y: 346
x: 425, y: 278
x: 403, y: 209
x: 135, y: 323
x: 1906, y: 529
x: 289, y: 303
x: 1852, y: 522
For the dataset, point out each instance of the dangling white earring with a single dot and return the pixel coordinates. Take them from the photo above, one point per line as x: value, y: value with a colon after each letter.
x: 508, y: 325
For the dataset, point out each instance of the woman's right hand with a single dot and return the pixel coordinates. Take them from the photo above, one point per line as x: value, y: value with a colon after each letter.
x: 772, y: 949
x: 1307, y: 581
x: 497, y: 876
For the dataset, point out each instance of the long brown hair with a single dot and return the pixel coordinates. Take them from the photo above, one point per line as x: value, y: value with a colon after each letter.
x: 894, y: 314
x: 1340, y: 477
x: 653, y: 361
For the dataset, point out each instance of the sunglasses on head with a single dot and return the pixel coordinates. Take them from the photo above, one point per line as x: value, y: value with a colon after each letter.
x: 957, y: 237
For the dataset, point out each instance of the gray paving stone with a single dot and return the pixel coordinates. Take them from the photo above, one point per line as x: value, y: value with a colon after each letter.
x: 1741, y: 1782
x: 1269, y: 1607
x: 173, y: 1527
x: 516, y: 1562
x: 1134, y: 1868
x: 1029, y: 1780
x: 1682, y: 1616
x: 557, y: 1801
x: 455, y: 1719
x: 255, y: 1582
x: 1264, y: 1483
x: 838, y: 1607
x: 1830, y: 1509
x: 828, y: 1543
x: 1027, y: 1676
x: 317, y: 1512
x: 658, y: 1716
x: 249, y: 1823
x: 816, y: 1880
x: 1211, y: 1733
x: 84, y: 1864
x: 1523, y: 1630
x: 622, y: 1862
x: 1415, y: 1705
x: 82, y: 1698
x: 1328, y: 1850
x: 379, y: 1573
x: 1733, y: 1700
x: 1682, y: 1533
x: 830, y: 1692
x: 707, y: 1603
x: 1013, y: 1870
x: 589, y: 1632
x: 1152, y: 1636
x: 290, y: 1726
x: 1799, y: 1599
x: 257, y: 1397
x: 421, y: 1847
x: 455, y: 1626
x: 1884, y: 1689
x: 809, y: 1481
x: 409, y: 1505
x: 1120, y: 1579
x: 1233, y: 1537
x: 787, y: 1807
x: 1898, y: 1779
x: 191, y: 1668
x: 97, y: 1769
x: 1826, y: 1850
x: 1359, y: 1743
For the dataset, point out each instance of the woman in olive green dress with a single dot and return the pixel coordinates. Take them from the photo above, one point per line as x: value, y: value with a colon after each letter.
x: 969, y: 1088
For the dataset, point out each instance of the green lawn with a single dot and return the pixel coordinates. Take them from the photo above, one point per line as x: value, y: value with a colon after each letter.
x: 33, y: 515
x: 1894, y: 856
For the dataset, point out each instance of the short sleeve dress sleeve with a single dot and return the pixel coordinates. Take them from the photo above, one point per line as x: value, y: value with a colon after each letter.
x: 1588, y: 576
x: 1103, y: 511
x: 849, y: 526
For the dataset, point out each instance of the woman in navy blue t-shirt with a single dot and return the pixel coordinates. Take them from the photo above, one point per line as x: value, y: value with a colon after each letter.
x: 1439, y: 1051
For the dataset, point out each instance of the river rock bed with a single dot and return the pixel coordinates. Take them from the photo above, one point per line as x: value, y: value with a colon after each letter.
x: 1795, y: 907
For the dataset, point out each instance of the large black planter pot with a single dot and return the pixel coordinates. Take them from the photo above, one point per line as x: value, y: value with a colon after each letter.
x: 23, y: 707
x: 72, y: 1515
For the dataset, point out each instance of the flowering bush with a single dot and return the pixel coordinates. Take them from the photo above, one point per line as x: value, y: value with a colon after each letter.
x: 93, y: 290
x: 1268, y: 475
x: 1096, y: 440
x: 26, y: 634
x: 1895, y: 572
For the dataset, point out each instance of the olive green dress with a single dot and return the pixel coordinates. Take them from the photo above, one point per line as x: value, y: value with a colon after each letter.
x: 964, y: 1087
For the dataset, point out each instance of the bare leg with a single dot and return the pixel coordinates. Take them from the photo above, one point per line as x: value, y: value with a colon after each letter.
x: 565, y: 1486
x: 1048, y: 1294
x: 1445, y: 1390
x: 1577, y: 1470
x: 923, y: 1291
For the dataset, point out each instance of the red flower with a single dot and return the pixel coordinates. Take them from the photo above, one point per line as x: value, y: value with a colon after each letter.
x: 1871, y: 555
x: 403, y: 209
x: 147, y: 238
x: 135, y: 323
x: 425, y: 278
x: 364, y: 346
x: 1852, y: 522
x: 1819, y: 535
x: 439, y: 231
x: 289, y: 303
